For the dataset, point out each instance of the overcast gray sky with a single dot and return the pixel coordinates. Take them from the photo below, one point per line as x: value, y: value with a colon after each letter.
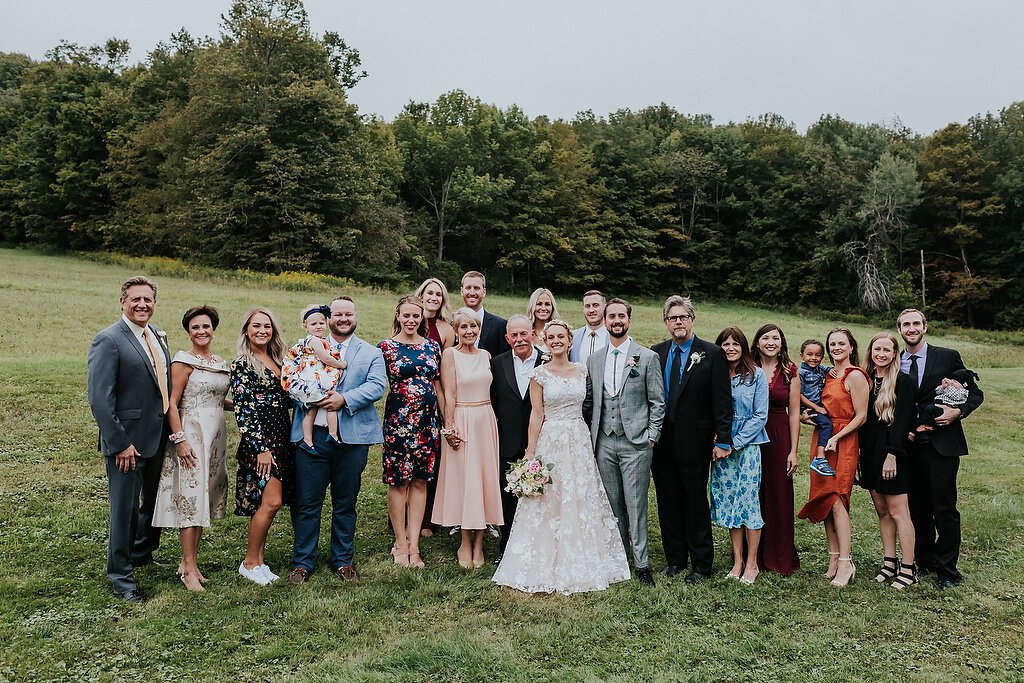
x: 928, y: 62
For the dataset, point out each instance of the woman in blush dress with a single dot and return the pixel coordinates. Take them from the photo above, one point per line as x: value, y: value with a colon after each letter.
x: 736, y: 478
x: 438, y: 314
x: 779, y: 458
x: 194, y: 479
x: 883, y: 456
x: 845, y: 396
x: 266, y: 455
x: 468, y: 488
x: 540, y: 311
x: 566, y: 540
x: 411, y: 423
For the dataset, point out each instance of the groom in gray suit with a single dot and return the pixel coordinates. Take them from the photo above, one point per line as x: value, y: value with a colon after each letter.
x: 626, y: 394
x: 129, y: 384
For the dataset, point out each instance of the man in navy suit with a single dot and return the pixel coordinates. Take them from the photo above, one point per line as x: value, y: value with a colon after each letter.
x: 510, y: 398
x: 935, y: 452
x: 492, y: 327
x: 129, y: 385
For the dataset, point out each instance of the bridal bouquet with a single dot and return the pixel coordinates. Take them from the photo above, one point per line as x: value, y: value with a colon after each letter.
x: 527, y: 478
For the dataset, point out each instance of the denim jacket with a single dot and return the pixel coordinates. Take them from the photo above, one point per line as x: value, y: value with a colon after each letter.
x: 749, y: 410
x: 812, y: 381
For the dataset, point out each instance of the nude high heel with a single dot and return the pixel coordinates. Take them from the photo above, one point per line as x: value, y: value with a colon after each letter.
x: 853, y: 572
x: 831, y: 573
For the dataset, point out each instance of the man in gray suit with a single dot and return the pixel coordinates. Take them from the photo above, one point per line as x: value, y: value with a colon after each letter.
x: 626, y: 393
x: 129, y: 386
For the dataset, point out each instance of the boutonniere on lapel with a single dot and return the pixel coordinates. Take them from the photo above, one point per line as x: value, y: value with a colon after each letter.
x: 633, y: 363
x: 545, y: 357
x: 695, y: 359
x: 162, y: 336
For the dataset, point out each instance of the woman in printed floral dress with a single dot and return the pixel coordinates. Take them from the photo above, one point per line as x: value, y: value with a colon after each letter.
x: 411, y: 423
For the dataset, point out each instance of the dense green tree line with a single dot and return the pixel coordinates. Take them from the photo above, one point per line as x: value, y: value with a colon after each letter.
x: 244, y: 151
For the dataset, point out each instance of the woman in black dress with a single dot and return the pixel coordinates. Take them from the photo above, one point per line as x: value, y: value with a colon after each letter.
x: 883, y: 456
x: 266, y: 455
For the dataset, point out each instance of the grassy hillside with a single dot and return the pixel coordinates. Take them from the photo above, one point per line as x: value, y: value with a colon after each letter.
x: 442, y: 623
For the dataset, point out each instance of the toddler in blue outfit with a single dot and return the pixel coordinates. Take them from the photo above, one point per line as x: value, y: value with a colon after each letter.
x: 812, y: 382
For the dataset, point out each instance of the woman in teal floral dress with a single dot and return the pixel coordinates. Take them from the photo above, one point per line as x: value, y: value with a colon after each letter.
x: 411, y: 424
x: 736, y: 478
x: 266, y: 455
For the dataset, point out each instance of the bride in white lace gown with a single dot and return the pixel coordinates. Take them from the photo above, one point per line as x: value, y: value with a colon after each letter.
x: 566, y: 540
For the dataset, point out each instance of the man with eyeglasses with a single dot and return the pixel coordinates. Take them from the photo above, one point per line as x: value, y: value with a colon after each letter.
x: 698, y: 426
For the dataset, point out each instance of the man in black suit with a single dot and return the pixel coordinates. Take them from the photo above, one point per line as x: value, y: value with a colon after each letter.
x: 492, y: 327
x: 129, y: 385
x: 935, y: 452
x: 510, y: 398
x: 697, y: 427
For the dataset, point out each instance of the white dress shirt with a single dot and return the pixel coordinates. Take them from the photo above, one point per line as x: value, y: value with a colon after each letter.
x: 615, y: 366
x: 339, y: 347
x: 591, y: 341
x: 523, y: 369
x: 480, y: 317
x: 158, y: 363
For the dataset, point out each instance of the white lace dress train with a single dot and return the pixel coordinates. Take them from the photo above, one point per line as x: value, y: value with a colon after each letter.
x: 567, y: 540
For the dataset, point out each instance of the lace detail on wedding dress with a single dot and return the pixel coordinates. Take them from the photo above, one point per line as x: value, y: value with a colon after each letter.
x: 567, y: 540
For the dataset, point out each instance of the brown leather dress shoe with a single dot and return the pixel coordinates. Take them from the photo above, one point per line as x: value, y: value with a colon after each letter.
x: 347, y: 573
x: 298, y: 575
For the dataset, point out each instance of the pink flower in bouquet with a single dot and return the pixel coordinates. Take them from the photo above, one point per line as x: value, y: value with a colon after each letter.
x: 534, y: 466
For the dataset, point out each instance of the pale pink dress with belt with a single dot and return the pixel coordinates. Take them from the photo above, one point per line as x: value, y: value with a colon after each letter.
x: 468, y: 486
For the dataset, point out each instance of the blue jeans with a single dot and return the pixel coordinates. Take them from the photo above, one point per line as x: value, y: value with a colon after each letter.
x: 342, y: 468
x: 824, y: 425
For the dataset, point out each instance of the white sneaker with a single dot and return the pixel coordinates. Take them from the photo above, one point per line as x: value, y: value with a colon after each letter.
x: 255, y: 574
x: 266, y: 572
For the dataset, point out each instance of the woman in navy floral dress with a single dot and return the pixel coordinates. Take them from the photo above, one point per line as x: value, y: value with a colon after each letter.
x: 411, y: 423
x: 266, y: 455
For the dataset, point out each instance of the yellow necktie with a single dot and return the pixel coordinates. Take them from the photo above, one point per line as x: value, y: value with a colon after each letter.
x: 158, y: 366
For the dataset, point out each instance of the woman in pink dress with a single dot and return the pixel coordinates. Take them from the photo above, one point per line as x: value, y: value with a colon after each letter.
x: 779, y: 458
x: 468, y: 488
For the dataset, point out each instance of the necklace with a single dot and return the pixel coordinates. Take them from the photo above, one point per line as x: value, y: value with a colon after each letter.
x: 877, y: 382
x: 202, y: 357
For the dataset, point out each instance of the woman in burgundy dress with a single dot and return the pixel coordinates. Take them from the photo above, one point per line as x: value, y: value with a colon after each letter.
x: 778, y: 457
x: 434, y: 296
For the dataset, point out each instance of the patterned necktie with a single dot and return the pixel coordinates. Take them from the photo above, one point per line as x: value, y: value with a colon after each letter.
x: 158, y: 366
x: 914, y: 372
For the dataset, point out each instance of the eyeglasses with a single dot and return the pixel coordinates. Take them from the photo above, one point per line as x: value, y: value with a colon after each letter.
x: 678, y: 318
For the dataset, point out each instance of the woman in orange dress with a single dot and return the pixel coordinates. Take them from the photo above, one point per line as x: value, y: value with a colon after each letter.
x: 846, y: 397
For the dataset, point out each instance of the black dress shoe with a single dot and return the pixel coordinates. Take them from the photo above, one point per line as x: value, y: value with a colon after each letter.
x: 643, y: 575
x: 147, y: 562
x: 946, y: 584
x: 671, y: 570
x: 131, y: 596
x: 695, y: 577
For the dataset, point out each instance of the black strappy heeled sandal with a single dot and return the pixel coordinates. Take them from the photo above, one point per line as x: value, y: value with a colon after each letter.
x: 888, y: 570
x: 907, y: 577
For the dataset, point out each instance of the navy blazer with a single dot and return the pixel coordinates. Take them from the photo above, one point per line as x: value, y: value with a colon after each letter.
x: 492, y: 337
x: 941, y: 363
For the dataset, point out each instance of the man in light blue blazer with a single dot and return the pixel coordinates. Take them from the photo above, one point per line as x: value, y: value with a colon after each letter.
x: 339, y: 464
x: 593, y: 336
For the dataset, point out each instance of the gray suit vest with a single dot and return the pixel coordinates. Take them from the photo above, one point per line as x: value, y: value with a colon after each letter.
x: 611, y: 417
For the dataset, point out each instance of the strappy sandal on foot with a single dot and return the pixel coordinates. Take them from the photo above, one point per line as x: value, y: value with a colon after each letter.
x: 418, y: 562
x: 853, y: 573
x: 831, y: 574
x: 906, y: 577
x: 888, y: 570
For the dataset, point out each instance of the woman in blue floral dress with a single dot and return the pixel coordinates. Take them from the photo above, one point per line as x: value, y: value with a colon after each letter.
x: 266, y: 455
x: 411, y: 424
x: 736, y: 478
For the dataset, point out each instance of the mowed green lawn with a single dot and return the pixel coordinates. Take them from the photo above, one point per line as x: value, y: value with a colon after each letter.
x: 442, y: 623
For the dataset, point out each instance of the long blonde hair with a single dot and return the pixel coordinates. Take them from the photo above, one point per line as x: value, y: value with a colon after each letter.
x: 414, y: 300
x: 444, y: 313
x: 275, y: 347
x: 885, y: 403
x: 530, y: 307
